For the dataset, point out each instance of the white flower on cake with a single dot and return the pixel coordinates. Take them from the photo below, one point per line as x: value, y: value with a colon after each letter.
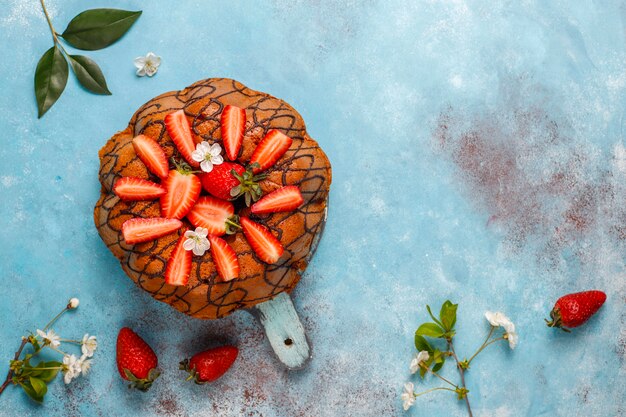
x: 417, y: 360
x: 88, y: 345
x: 71, y: 368
x: 197, y: 241
x: 73, y: 303
x: 408, y: 396
x: 207, y: 155
x: 498, y: 319
x: 50, y: 338
x: 147, y: 65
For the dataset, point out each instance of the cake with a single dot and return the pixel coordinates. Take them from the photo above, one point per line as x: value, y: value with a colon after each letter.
x: 209, y: 286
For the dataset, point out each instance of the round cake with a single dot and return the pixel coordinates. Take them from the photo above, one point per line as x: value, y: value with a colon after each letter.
x: 206, y: 294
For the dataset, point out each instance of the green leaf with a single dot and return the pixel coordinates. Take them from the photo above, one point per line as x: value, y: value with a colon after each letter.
x: 50, y: 79
x: 438, y: 366
x: 430, y: 329
x: 98, y: 28
x: 30, y: 391
x: 48, y: 375
x: 39, y: 386
x: 432, y: 316
x: 422, y: 344
x: 448, y: 315
x: 89, y: 74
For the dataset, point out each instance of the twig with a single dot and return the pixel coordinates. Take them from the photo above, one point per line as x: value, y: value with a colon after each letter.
x: 10, y: 374
x: 462, y: 373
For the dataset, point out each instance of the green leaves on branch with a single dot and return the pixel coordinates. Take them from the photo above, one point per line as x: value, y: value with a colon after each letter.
x: 98, y: 28
x: 34, y: 379
x: 90, y: 30
x: 441, y: 327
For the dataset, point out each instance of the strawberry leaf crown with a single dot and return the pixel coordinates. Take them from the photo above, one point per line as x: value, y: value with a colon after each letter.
x: 142, y: 384
x: 193, y: 374
x: 248, y: 184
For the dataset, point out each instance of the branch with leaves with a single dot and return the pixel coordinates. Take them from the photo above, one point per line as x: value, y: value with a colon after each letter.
x: 34, y: 378
x: 431, y: 356
x: 90, y: 30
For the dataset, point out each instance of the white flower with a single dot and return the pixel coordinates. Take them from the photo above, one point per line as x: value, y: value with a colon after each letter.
x: 417, y: 360
x: 408, y: 396
x: 85, y: 364
x: 50, y: 337
x: 207, y: 155
x: 498, y: 319
x: 73, y: 303
x: 147, y: 65
x: 512, y: 338
x: 197, y: 241
x: 71, y: 368
x: 88, y: 345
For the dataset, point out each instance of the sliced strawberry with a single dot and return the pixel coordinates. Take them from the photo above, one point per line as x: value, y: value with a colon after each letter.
x: 212, y: 214
x: 136, y: 189
x: 179, y: 130
x: 284, y: 199
x: 270, y: 149
x: 264, y: 244
x: 152, y: 155
x: 225, y: 258
x: 233, y: 125
x: 179, y: 264
x: 183, y: 190
x: 139, y: 230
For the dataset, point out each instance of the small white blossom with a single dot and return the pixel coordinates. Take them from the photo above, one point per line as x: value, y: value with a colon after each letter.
x: 408, y: 396
x: 147, y: 65
x: 197, y: 241
x: 417, y: 360
x: 85, y: 364
x: 207, y: 155
x: 88, y: 345
x: 499, y: 319
x: 71, y: 368
x: 73, y: 303
x: 512, y: 338
x: 50, y: 337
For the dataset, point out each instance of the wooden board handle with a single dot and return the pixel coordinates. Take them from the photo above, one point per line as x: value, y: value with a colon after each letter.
x: 284, y: 331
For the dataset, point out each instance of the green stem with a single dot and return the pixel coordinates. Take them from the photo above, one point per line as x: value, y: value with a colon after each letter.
x: 431, y: 390
x: 57, y: 350
x: 54, y: 33
x: 462, y: 373
x: 78, y: 342
x: 39, y: 369
x: 55, y: 319
x: 484, y: 346
x: 437, y: 375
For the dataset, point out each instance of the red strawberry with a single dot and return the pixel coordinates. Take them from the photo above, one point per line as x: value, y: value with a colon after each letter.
x: 183, y: 190
x: 136, y: 361
x: 270, y: 149
x: 233, y: 125
x: 220, y: 181
x: 152, y: 155
x: 179, y: 130
x: 225, y: 258
x: 264, y: 244
x: 572, y: 310
x: 139, y: 230
x: 284, y: 199
x: 179, y: 264
x: 214, y: 215
x: 136, y: 189
x: 209, y: 365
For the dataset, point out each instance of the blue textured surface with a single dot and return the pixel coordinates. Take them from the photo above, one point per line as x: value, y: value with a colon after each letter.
x: 478, y: 155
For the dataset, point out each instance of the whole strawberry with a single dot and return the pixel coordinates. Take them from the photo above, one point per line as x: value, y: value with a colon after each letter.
x: 572, y: 310
x: 136, y: 361
x: 229, y: 181
x: 209, y: 365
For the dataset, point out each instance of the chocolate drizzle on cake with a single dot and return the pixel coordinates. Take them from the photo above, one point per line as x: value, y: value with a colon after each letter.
x: 304, y: 165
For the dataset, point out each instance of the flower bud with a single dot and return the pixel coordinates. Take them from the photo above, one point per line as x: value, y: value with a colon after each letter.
x: 73, y: 303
